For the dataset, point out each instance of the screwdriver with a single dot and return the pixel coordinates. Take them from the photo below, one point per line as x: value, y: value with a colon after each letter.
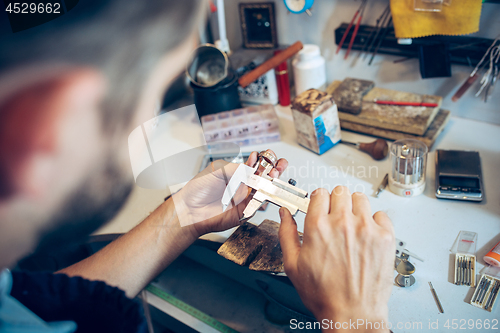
x: 377, y: 149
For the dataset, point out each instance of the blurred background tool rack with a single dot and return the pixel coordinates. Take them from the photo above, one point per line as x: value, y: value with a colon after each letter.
x: 462, y: 50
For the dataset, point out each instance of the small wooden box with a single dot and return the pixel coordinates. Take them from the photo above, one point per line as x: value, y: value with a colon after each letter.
x: 316, y: 120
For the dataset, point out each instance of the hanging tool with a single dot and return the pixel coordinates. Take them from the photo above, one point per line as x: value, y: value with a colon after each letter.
x: 489, y: 78
x: 356, y: 28
x: 344, y: 36
x: 382, y: 185
x: 386, y: 29
x: 383, y: 22
x: 434, y: 294
x: 379, y: 20
x: 473, y: 75
x: 377, y: 149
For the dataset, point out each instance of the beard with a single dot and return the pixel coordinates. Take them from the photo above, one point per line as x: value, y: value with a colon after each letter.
x: 93, y: 204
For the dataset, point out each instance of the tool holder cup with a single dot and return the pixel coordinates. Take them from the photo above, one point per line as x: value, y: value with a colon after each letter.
x: 408, y: 165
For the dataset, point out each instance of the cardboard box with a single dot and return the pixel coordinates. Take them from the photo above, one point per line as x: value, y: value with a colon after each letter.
x: 316, y: 120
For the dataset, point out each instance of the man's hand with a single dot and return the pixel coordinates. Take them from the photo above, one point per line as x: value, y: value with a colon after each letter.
x: 198, y: 203
x: 133, y: 260
x: 343, y: 269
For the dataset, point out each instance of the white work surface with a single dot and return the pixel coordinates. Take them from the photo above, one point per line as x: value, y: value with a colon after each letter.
x: 428, y: 225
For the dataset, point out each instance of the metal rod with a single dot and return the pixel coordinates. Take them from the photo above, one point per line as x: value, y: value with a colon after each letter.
x: 478, y: 291
x: 473, y: 263
x: 379, y: 20
x: 381, y: 39
x: 485, y: 289
x: 382, y: 19
x: 349, y: 143
x: 494, y: 294
x: 459, y: 270
x: 463, y: 271
x: 464, y: 263
x: 438, y: 303
x: 491, y: 297
x: 470, y: 272
x: 382, y: 185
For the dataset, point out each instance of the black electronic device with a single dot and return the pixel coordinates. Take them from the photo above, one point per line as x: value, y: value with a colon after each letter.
x: 458, y: 175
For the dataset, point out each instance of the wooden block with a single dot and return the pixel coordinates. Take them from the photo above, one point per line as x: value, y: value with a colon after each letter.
x: 428, y: 138
x: 349, y: 94
x: 243, y: 245
x: 332, y: 86
x: 255, y: 246
x: 408, y: 119
x: 270, y: 259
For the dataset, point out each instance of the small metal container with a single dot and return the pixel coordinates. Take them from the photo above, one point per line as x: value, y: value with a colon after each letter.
x: 207, y: 66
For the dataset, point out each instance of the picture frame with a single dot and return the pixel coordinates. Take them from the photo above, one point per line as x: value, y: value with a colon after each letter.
x: 258, y: 25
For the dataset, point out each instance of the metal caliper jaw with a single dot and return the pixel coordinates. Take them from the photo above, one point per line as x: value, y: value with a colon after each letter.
x: 265, y: 189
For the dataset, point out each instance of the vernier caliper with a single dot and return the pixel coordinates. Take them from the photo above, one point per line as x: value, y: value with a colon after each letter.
x: 265, y: 188
x: 278, y: 192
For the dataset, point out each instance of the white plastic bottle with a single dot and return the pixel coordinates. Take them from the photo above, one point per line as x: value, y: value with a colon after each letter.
x: 309, y: 69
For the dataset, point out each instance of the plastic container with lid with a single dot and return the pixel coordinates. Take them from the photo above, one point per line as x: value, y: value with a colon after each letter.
x: 309, y: 69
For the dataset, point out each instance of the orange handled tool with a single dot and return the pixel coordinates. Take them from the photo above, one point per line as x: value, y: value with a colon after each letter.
x: 263, y: 68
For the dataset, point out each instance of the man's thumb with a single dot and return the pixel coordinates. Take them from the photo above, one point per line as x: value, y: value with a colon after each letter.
x: 289, y: 240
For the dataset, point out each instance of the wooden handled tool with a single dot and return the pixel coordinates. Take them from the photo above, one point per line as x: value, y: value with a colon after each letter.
x: 377, y: 149
x: 464, y: 87
x: 263, y: 68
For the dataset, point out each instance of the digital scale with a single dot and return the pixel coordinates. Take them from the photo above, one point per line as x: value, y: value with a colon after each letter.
x: 458, y: 175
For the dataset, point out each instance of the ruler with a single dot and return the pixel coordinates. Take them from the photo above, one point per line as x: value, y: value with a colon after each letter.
x: 201, y: 316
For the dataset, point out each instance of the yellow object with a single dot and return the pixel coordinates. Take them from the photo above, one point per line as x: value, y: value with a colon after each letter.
x: 461, y: 17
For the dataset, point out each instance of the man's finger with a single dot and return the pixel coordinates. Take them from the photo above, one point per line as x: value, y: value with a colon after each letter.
x: 340, y: 200
x: 384, y: 221
x: 361, y: 205
x: 320, y: 203
x: 281, y: 165
x: 252, y: 159
x: 274, y: 173
x: 289, y: 241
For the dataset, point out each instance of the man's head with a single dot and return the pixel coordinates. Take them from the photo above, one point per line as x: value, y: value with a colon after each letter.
x: 71, y: 91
